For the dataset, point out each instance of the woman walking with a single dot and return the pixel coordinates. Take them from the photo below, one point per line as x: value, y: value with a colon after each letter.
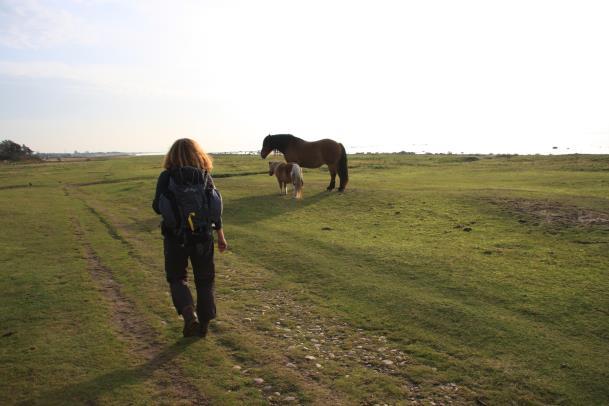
x: 188, y: 236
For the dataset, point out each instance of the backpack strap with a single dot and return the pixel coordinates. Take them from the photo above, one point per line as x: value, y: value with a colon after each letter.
x: 206, y: 179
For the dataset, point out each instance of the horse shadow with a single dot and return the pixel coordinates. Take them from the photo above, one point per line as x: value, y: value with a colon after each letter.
x: 89, y: 392
x: 252, y: 209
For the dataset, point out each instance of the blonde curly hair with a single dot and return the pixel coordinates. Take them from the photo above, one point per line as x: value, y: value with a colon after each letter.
x: 187, y: 152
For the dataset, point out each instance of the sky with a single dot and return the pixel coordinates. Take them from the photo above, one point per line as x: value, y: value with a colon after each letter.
x: 460, y: 76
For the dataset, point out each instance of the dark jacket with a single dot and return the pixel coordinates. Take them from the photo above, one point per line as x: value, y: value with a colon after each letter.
x: 162, y: 186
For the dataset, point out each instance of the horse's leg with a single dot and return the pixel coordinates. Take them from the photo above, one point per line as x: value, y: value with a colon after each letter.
x: 332, y: 169
x: 280, y: 186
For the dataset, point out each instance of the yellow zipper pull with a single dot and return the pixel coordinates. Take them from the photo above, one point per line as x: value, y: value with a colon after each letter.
x: 190, y: 223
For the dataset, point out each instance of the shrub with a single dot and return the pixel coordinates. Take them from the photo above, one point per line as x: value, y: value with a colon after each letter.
x: 11, y: 151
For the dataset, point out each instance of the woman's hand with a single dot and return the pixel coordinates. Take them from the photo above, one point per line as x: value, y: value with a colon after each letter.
x: 222, y: 244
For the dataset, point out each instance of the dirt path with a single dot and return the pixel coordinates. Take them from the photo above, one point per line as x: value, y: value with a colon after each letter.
x: 141, y: 339
x: 306, y: 351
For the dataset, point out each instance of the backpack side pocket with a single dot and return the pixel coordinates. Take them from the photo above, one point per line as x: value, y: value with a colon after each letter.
x: 215, y: 205
x: 167, y: 212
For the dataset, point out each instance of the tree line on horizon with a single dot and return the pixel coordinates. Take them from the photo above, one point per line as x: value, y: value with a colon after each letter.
x: 11, y: 151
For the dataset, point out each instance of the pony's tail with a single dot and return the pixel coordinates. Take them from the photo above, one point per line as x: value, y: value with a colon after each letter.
x: 297, y: 180
x: 343, y: 170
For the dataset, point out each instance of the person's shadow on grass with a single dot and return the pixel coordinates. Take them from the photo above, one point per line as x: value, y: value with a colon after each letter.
x: 89, y: 392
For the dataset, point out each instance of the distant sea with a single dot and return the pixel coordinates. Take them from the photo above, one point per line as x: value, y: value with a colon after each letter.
x: 425, y: 148
x: 146, y: 153
x: 434, y: 149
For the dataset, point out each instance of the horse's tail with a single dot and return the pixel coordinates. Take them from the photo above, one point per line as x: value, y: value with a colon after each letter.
x: 297, y: 180
x: 343, y: 169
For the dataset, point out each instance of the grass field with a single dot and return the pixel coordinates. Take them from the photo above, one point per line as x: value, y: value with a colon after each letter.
x: 444, y: 279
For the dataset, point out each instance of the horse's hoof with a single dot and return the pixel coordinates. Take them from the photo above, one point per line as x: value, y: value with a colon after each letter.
x: 342, y: 189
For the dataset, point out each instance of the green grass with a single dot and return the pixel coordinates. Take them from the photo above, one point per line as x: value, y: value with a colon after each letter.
x: 514, y: 310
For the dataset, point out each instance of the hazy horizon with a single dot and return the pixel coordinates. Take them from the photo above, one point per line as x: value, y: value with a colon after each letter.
x: 471, y: 76
x: 413, y: 148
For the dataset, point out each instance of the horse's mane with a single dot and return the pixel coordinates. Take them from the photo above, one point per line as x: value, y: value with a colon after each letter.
x: 280, y: 141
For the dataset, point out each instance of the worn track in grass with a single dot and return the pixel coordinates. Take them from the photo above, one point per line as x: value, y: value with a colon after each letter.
x: 141, y: 339
x: 313, y: 349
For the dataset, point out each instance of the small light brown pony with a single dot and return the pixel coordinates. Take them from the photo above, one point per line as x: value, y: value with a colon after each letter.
x: 287, y: 173
x: 311, y: 155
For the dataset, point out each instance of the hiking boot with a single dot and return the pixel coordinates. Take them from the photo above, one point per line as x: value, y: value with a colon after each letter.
x: 203, y: 327
x: 191, y: 324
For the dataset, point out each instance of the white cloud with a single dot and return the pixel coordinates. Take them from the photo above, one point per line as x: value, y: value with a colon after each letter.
x: 32, y: 24
x: 132, y: 81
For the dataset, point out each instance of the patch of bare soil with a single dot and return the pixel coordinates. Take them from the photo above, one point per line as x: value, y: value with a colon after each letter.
x: 141, y: 339
x: 554, y: 213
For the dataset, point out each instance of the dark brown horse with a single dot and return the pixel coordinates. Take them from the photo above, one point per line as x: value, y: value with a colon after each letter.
x: 311, y: 155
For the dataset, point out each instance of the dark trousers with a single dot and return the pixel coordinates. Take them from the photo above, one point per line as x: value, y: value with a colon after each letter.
x: 201, y: 255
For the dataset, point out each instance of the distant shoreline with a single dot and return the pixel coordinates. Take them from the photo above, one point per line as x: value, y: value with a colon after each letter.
x: 93, y: 155
x: 417, y: 150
